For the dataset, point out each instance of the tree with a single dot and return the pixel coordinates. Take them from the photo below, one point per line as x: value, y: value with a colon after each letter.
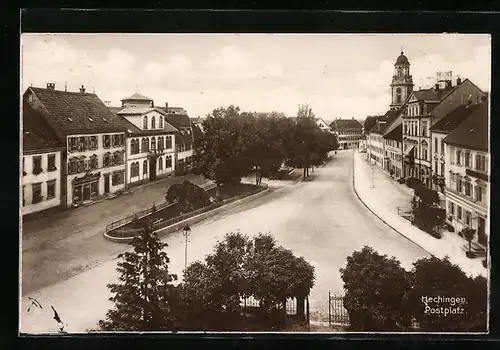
x: 145, y: 298
x: 428, y: 214
x: 468, y: 234
x: 434, y: 277
x: 188, y: 196
x: 376, y: 289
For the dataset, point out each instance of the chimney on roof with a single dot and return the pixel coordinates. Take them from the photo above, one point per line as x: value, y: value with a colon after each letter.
x: 51, y: 86
x: 352, y: 118
x: 459, y: 81
x: 166, y: 107
x: 82, y: 89
x: 437, y: 86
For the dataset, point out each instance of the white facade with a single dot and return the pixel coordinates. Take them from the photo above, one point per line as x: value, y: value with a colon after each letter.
x: 41, y: 181
x: 376, y: 149
x: 94, y: 168
x: 322, y: 125
x: 467, y: 190
x: 394, y: 157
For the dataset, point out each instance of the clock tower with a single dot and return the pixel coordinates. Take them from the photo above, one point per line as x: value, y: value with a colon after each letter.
x: 402, y: 82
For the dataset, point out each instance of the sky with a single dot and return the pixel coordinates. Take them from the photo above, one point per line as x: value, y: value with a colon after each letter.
x: 338, y: 76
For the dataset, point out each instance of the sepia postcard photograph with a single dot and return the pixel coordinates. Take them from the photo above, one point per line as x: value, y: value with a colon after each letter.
x: 290, y: 183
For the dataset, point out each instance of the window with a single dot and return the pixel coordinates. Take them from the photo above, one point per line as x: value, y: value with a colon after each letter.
x: 459, y: 157
x: 168, y: 142
x: 93, y: 164
x: 145, y: 122
x: 153, y: 122
x: 37, y: 165
x: 145, y: 167
x: 82, y: 143
x: 73, y: 166
x: 94, y: 189
x: 168, y: 162
x: 37, y: 192
x: 478, y: 194
x: 117, y: 158
x: 118, y: 178
x: 467, y: 217
x: 137, y: 146
x: 424, y: 129
x: 134, y: 169
x: 160, y: 143
x: 72, y: 144
x: 93, y: 142
x: 436, y: 167
x: 106, y: 159
x: 160, y: 163
x: 398, y: 91
x: 459, y: 185
x: 442, y: 169
x: 452, y: 208
x: 435, y: 145
x: 467, y: 188
x: 24, y: 172
x: 51, y: 161
x: 80, y: 165
x: 51, y: 189
x: 467, y: 160
x: 442, y: 147
x: 480, y: 162
x: 161, y: 122
x: 106, y: 141
x: 459, y: 212
x: 22, y: 194
x: 153, y: 143
x: 132, y: 147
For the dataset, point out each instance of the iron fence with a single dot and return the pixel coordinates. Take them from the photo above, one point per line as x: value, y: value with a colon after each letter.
x: 337, y: 313
x: 252, y: 302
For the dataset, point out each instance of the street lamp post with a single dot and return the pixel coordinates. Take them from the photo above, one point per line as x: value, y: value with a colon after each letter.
x: 186, y: 230
x: 373, y: 176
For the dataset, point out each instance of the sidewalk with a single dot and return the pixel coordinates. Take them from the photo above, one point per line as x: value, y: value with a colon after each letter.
x: 382, y: 195
x: 58, y: 247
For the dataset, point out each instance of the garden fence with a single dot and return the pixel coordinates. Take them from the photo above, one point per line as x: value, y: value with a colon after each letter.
x: 337, y: 313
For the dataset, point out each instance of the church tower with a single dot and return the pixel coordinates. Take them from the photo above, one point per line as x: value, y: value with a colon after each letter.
x: 402, y: 82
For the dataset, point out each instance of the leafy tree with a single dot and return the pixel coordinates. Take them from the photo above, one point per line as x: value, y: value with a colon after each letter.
x: 376, y: 292
x: 468, y: 234
x: 434, y: 277
x: 145, y: 298
x: 428, y: 214
x: 188, y: 196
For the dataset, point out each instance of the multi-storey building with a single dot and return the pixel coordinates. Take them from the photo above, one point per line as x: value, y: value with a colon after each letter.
x: 41, y: 165
x: 467, y: 172
x: 349, y: 132
x: 322, y: 124
x: 423, y: 109
x: 393, y: 161
x: 151, y: 140
x: 376, y: 144
x: 94, y: 158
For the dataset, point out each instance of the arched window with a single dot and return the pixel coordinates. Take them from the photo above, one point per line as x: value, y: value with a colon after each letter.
x: 134, y: 169
x: 153, y: 143
x: 143, y: 145
x: 400, y: 72
x: 145, y: 122
x: 147, y: 145
x: 132, y: 146
x: 145, y: 167
x: 160, y: 164
x: 153, y: 122
x: 398, y: 95
x: 137, y: 146
x: 161, y: 122
x: 160, y: 143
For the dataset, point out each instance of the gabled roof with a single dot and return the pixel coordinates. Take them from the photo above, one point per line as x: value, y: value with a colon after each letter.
x: 395, y: 134
x: 383, y: 122
x: 472, y: 133
x: 134, y: 130
x: 454, y: 118
x: 139, y: 110
x: 346, y: 125
x: 74, y: 112
x: 37, y: 134
x: 197, y: 132
x: 136, y: 97
x: 177, y: 120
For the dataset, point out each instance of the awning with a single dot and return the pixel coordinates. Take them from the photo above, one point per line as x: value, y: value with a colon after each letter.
x: 409, y: 150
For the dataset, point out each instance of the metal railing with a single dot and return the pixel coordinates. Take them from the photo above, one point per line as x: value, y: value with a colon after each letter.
x: 337, y: 313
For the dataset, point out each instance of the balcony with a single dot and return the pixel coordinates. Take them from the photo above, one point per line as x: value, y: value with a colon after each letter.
x: 477, y: 174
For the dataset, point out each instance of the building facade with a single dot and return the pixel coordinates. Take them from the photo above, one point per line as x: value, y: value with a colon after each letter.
x: 93, y: 161
x: 467, y: 169
x: 322, y: 125
x: 349, y: 132
x: 151, y: 140
x: 393, y: 144
x: 41, y: 165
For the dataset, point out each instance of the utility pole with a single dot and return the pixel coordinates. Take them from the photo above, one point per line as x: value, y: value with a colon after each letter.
x: 187, y: 230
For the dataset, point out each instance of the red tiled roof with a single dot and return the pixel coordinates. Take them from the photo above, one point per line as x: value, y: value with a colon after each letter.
x: 37, y: 134
x: 74, y: 112
x: 472, y: 133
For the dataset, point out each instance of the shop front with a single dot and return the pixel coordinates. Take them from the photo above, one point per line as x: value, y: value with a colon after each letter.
x: 86, y: 188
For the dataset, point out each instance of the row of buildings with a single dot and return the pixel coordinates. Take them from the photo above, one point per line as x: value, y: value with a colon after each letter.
x: 438, y: 135
x: 77, y: 150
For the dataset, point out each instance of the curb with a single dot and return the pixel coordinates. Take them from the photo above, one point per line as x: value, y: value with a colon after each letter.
x: 376, y: 215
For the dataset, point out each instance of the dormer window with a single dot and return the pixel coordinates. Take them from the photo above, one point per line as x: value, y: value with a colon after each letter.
x: 145, y: 122
x: 70, y: 119
x: 153, y: 122
x: 90, y: 119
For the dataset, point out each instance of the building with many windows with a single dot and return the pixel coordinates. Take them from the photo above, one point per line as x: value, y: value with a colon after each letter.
x: 41, y: 164
x: 94, y: 139
x: 393, y: 160
x: 424, y: 108
x: 151, y: 140
x: 349, y: 132
x: 467, y: 172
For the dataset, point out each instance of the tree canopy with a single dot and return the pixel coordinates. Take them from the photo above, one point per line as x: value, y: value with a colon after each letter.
x: 188, y: 196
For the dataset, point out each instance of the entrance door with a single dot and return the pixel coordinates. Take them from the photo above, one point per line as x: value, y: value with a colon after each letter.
x: 481, y: 228
x: 106, y: 184
x: 152, y: 169
x: 86, y: 192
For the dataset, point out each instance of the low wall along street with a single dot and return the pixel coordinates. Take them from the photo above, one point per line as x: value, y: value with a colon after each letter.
x: 195, y: 216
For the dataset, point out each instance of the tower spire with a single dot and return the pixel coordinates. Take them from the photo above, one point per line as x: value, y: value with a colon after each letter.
x: 402, y: 52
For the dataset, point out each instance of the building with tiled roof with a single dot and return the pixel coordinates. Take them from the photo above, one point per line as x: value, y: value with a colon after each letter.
x: 151, y: 140
x: 349, y: 132
x: 41, y: 164
x: 466, y: 174
x: 94, y: 139
x: 423, y: 110
x: 375, y: 147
